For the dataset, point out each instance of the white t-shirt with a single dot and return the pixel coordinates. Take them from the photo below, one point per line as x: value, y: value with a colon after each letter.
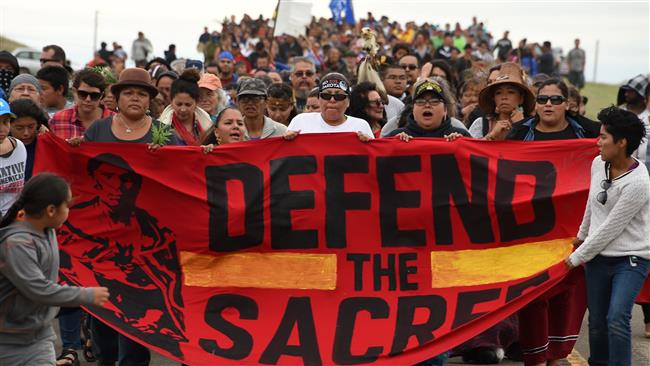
x: 313, y: 123
x: 12, y: 175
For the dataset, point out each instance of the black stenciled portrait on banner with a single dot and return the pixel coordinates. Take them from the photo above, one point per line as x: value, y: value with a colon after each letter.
x: 143, y: 274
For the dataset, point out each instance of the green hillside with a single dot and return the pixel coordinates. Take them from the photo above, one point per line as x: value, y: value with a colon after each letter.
x: 9, y: 44
x: 600, y: 96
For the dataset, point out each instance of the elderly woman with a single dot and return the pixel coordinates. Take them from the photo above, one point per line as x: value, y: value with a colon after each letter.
x: 430, y: 115
x: 189, y: 121
x: 25, y: 86
x: 334, y: 99
x: 505, y: 93
x: 281, y: 104
x: 367, y: 103
x: 212, y: 98
x: 613, y: 238
x: 133, y: 93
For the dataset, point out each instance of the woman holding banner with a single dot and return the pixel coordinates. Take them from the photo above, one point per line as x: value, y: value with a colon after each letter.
x: 549, y: 326
x: 613, y: 238
x: 133, y: 93
x: 229, y: 127
x: 430, y: 114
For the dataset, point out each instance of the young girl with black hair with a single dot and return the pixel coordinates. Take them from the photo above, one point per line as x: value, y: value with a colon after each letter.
x: 29, y: 269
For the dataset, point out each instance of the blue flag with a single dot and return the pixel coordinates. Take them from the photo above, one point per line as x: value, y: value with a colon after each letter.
x: 339, y: 6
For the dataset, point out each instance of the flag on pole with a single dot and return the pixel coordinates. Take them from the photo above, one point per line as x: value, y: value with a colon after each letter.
x: 338, y: 7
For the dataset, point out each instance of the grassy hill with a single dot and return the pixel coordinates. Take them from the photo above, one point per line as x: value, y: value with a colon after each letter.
x: 9, y: 44
x: 600, y: 96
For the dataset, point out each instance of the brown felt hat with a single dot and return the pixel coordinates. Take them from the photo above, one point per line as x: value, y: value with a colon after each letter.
x: 134, y: 77
x: 512, y: 74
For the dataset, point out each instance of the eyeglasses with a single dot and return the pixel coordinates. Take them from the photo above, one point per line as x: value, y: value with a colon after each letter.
x: 375, y: 103
x: 431, y: 102
x: 304, y: 73
x: 409, y: 67
x: 555, y: 99
x: 602, y: 196
x: 94, y: 96
x: 329, y: 96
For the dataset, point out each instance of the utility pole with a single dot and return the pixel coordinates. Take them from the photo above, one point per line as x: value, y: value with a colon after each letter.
x: 95, y: 33
x: 596, y: 60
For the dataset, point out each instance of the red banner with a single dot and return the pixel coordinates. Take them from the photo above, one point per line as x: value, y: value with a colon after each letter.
x: 321, y: 250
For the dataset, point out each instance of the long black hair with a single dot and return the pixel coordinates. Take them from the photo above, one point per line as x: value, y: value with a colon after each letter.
x: 208, y: 136
x: 39, y: 192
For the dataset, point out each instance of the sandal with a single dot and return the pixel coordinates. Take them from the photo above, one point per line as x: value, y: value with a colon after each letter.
x: 68, y: 357
x: 87, y: 343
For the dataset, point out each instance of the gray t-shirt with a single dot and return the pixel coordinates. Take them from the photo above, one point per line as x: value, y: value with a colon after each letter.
x: 100, y: 131
x: 576, y: 59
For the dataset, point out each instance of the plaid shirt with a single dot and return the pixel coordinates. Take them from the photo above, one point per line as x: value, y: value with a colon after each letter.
x: 66, y: 124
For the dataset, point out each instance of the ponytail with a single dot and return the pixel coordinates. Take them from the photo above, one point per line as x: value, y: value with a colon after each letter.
x: 12, y: 213
x: 39, y: 192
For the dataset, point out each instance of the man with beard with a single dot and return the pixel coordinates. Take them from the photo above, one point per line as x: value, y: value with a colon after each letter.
x: 303, y: 80
x: 631, y: 94
x: 226, y: 63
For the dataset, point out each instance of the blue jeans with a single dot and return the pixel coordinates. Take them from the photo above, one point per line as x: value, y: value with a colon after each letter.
x: 613, y: 284
x: 110, y: 346
x: 70, y: 327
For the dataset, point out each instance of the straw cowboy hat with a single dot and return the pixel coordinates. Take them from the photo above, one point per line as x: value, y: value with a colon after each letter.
x: 511, y: 74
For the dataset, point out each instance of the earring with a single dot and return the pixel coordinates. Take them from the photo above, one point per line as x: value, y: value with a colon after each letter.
x: 117, y: 109
x: 148, y: 112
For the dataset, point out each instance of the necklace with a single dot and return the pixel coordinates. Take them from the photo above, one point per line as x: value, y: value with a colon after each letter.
x: 139, y: 125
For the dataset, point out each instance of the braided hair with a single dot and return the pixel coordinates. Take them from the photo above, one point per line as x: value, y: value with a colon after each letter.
x: 39, y: 192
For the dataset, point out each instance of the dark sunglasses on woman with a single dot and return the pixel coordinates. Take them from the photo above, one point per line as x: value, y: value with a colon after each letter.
x: 329, y: 96
x: 555, y: 99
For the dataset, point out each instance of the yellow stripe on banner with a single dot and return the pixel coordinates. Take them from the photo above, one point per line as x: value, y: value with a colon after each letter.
x: 260, y: 270
x: 484, y: 266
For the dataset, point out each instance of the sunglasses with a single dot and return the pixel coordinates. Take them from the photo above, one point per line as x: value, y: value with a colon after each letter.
x: 602, y: 196
x: 304, y: 73
x: 555, y: 99
x: 94, y: 96
x: 409, y: 67
x: 329, y: 96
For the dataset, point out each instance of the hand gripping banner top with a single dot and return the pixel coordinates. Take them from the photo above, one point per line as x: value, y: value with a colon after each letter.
x: 319, y: 251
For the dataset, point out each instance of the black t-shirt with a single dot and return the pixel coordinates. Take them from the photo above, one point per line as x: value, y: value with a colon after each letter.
x: 547, y: 63
x: 591, y: 129
x: 565, y: 134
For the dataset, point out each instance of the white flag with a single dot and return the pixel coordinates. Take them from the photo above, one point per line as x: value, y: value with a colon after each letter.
x: 292, y: 18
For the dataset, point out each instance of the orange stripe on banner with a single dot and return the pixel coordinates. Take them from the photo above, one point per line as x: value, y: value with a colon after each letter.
x: 484, y: 266
x: 260, y: 270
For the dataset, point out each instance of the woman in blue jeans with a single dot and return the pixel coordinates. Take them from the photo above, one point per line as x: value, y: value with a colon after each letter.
x: 614, y: 237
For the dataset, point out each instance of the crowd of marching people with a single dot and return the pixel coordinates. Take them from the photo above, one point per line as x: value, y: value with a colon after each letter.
x: 378, y: 79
